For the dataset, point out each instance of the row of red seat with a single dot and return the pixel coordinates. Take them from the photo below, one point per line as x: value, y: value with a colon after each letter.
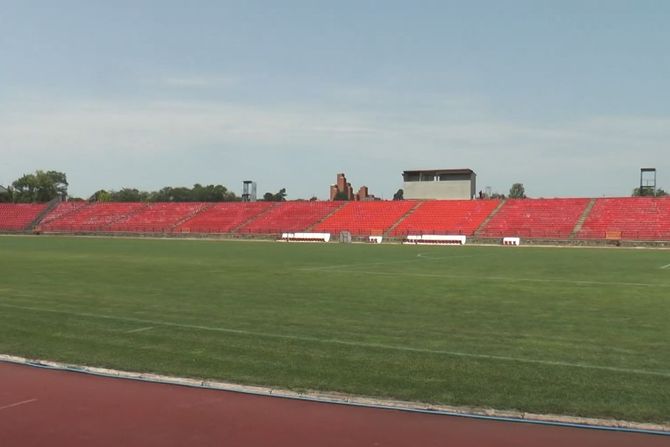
x: 157, y: 217
x: 61, y: 210
x: 366, y: 218
x: 446, y: 217
x: 18, y: 217
x: 91, y: 218
x: 634, y: 218
x: 290, y: 217
x: 224, y: 217
x: 536, y: 218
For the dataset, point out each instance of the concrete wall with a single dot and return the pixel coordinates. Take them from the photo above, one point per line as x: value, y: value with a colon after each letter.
x: 450, y: 189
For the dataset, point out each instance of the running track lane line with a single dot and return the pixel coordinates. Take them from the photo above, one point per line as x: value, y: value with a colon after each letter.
x: 349, y: 343
x: 17, y: 404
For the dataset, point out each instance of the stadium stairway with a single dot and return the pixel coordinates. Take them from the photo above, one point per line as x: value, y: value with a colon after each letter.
x: 92, y: 218
x: 405, y: 216
x: 62, y: 210
x: 51, y: 205
x: 190, y: 216
x: 582, y: 219
x: 222, y: 217
x: 128, y: 215
x: 254, y: 217
x: 326, y: 217
x: 365, y: 218
x: 460, y: 217
x: 632, y: 218
x: 486, y: 221
x: 536, y: 218
x: 158, y: 217
x: 290, y: 216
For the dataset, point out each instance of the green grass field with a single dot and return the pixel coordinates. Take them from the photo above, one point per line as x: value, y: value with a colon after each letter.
x: 582, y: 332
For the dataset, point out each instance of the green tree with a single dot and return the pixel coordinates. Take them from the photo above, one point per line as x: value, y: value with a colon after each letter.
x: 280, y: 196
x: 517, y: 191
x: 128, y: 195
x: 40, y: 187
x: 399, y: 195
x: 101, y: 196
x: 5, y: 194
x: 341, y: 196
x: 648, y: 192
x: 199, y: 193
x: 212, y: 193
x: 181, y: 194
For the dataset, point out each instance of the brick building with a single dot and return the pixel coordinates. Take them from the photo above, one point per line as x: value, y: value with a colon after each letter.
x: 342, y: 190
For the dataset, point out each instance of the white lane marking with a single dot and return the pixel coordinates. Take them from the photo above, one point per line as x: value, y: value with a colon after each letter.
x: 352, y: 343
x: 142, y: 329
x: 29, y: 401
x: 667, y: 266
x: 507, y: 278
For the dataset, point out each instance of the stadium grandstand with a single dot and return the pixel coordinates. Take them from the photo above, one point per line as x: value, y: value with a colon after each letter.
x: 641, y: 219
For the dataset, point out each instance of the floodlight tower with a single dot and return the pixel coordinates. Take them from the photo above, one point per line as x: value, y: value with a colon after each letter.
x: 248, y: 191
x: 648, y: 181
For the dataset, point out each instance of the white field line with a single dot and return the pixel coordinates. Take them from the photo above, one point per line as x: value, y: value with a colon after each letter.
x: 356, y: 344
x: 427, y: 256
x: 142, y: 329
x: 667, y: 266
x: 403, y: 261
x: 507, y: 278
x: 497, y: 334
x: 7, y: 407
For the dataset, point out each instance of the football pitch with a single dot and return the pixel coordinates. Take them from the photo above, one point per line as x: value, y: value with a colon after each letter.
x: 583, y: 332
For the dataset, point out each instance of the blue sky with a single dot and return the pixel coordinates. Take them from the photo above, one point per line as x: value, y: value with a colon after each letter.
x: 569, y: 98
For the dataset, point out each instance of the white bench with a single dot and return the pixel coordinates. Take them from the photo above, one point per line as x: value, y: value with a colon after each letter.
x: 432, y: 239
x: 305, y: 237
x: 511, y: 241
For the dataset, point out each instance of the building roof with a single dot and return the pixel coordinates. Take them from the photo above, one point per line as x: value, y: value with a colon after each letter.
x: 439, y: 171
x: 3, y: 189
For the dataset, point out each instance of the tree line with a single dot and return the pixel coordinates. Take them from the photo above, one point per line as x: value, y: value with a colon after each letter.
x: 41, y: 186
x: 44, y: 186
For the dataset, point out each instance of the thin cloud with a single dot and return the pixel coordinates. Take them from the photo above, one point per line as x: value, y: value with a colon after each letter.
x: 600, y: 148
x: 199, y: 81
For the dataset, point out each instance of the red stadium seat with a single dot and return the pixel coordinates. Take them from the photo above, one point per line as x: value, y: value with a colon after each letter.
x: 223, y: 217
x: 158, y: 217
x: 95, y: 217
x: 290, y: 217
x: 18, y: 217
x: 536, y: 218
x: 635, y: 218
x: 366, y: 218
x: 446, y: 217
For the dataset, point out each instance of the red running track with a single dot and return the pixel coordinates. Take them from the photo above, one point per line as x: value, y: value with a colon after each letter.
x: 40, y: 407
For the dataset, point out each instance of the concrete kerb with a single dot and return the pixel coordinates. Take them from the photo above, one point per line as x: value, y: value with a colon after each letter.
x: 358, y: 401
